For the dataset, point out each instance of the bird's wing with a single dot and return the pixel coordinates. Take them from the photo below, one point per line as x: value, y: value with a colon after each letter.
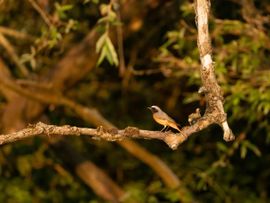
x: 168, y: 118
x: 170, y: 122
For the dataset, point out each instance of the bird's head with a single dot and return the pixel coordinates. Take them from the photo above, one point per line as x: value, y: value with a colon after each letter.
x: 154, y: 109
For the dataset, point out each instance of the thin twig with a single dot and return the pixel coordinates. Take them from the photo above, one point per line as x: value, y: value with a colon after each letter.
x: 15, y: 33
x: 12, y: 53
x: 119, y: 31
x: 35, y: 84
x: 42, y: 13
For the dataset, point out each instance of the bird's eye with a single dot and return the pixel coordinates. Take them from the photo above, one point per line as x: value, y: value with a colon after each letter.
x: 155, y: 109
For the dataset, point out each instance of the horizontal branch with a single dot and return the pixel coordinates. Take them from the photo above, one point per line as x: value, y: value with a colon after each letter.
x: 16, y: 34
x: 171, y: 139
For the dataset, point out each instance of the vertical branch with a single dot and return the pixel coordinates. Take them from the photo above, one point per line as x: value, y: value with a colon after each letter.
x: 119, y: 32
x: 211, y: 89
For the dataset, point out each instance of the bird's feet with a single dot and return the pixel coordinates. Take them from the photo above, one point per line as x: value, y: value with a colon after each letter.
x: 164, y: 129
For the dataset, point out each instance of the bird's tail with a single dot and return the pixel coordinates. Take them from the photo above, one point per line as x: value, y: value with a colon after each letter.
x: 174, y: 125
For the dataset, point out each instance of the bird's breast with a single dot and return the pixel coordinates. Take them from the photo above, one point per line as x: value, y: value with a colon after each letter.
x: 160, y: 120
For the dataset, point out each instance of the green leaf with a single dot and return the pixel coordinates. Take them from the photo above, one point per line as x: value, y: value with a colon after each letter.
x: 243, y: 151
x: 23, y: 165
x: 222, y: 147
x: 102, y: 56
x: 61, y: 9
x: 112, y: 52
x: 104, y: 8
x: 108, y: 54
x: 112, y: 16
x: 103, y: 19
x: 66, y: 7
x: 105, y: 46
x: 101, y: 42
x: 173, y: 196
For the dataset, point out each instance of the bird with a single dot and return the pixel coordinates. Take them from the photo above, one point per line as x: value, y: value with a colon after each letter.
x: 163, y: 119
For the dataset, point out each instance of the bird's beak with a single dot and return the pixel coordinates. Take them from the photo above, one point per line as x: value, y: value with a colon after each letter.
x: 150, y: 109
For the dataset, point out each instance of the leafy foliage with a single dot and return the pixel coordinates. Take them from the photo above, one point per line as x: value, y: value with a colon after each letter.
x: 104, y: 45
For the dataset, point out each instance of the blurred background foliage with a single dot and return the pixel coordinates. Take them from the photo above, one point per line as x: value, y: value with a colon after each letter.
x: 160, y: 65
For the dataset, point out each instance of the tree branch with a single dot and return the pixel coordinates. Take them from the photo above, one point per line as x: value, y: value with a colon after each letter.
x: 42, y: 13
x: 12, y: 53
x: 109, y: 134
x: 112, y: 134
x: 15, y: 34
x: 214, y: 110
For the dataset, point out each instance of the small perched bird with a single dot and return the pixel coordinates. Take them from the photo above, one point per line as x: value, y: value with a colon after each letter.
x: 163, y: 119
